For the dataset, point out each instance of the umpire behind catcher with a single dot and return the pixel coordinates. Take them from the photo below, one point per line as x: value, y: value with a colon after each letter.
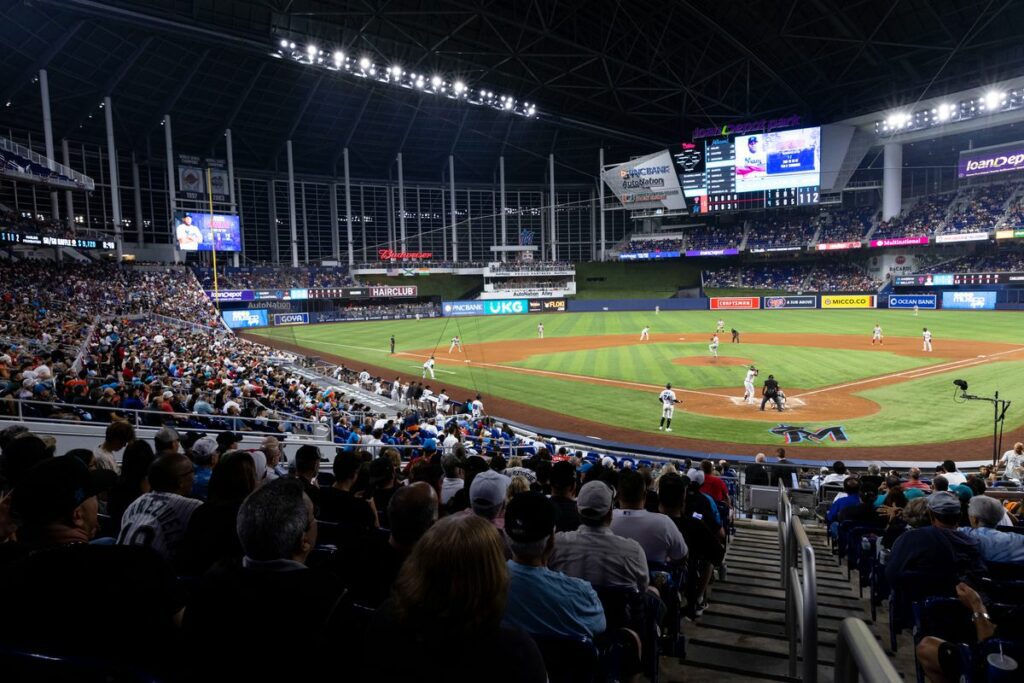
x: 770, y: 392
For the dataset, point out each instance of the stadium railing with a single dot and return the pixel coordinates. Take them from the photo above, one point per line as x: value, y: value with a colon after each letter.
x: 859, y: 657
x: 799, y: 578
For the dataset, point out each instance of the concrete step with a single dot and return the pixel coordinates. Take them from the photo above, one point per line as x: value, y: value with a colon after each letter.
x: 712, y: 657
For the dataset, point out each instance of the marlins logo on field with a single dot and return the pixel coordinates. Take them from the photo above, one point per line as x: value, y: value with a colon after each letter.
x: 794, y: 434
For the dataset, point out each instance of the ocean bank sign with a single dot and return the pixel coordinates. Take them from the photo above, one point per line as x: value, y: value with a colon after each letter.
x: 913, y: 300
x: 976, y: 301
x: 241, y: 319
x: 452, y: 309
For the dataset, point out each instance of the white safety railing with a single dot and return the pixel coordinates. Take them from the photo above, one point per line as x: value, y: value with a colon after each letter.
x: 77, y: 179
x: 799, y: 578
x: 859, y: 657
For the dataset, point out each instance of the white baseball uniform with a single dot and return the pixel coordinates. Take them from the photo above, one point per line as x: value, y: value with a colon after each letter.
x: 721, y: 326
x: 876, y: 335
x: 540, y: 330
x: 428, y: 367
x: 442, y: 402
x: 478, y: 408
x: 713, y: 346
x: 926, y: 339
x: 645, y: 334
x: 456, y: 343
x: 748, y: 386
x: 668, y: 403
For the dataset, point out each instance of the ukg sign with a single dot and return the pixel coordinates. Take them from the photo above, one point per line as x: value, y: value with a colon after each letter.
x: 996, y: 159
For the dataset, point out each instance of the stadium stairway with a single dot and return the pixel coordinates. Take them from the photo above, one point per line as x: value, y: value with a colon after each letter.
x: 742, y: 634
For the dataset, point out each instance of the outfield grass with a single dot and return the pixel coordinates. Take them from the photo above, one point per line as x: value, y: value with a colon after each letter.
x: 914, y: 412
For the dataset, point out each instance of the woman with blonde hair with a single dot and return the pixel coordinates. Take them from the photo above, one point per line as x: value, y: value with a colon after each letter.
x: 446, y: 609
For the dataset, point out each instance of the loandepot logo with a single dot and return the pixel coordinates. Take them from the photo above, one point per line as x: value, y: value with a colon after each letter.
x: 794, y: 434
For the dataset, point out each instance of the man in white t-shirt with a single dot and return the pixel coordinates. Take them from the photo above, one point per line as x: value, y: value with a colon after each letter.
x: 477, y: 407
x: 668, y: 408
x: 954, y: 476
x: 656, y: 533
x: 158, y: 519
x: 1013, y: 462
x: 364, y: 378
x: 442, y: 402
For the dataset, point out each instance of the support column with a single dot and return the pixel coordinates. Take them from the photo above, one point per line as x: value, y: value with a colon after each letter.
x: 305, y: 224
x: 451, y: 193
x: 229, y: 145
x: 293, y: 224
x: 504, y: 213
x: 444, y: 232
x: 401, y: 203
x: 600, y: 190
x: 554, y: 228
x: 335, y: 239
x: 348, y: 213
x: 892, y: 180
x: 171, y: 192
x: 419, y: 222
x: 69, y: 200
x: 275, y: 247
x: 115, y: 189
x: 44, y: 93
x: 137, y: 196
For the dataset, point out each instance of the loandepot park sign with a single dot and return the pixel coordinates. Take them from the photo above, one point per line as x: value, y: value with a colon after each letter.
x: 996, y: 159
x: 747, y: 127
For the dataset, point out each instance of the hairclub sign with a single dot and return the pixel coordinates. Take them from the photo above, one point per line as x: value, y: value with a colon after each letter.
x: 747, y: 127
x: 389, y: 255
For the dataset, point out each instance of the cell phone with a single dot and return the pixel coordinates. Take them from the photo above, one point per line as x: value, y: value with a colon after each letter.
x: 698, y: 516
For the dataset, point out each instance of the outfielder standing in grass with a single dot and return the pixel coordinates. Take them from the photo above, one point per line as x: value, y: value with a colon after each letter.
x: 668, y: 407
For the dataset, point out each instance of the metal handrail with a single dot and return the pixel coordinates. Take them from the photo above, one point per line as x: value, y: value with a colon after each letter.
x: 859, y: 657
x: 799, y: 576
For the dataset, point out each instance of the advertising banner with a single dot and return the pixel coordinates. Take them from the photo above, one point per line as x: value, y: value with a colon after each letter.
x: 1017, y: 233
x: 976, y: 301
x: 800, y: 301
x: 732, y: 303
x: 771, y: 250
x: 231, y: 295
x: 547, y: 305
x: 995, y: 159
x: 712, y: 252
x: 961, y: 237
x: 241, y: 319
x: 385, y: 292
x: 912, y: 300
x: 848, y: 300
x: 203, y: 232
x: 649, y: 182
x: 900, y: 241
x: 506, y: 306
x: 648, y: 255
x: 291, y: 318
x: 460, y: 308
x: 836, y: 246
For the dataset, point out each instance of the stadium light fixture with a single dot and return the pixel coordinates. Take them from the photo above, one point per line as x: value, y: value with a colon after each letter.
x: 391, y: 73
x: 947, y: 113
x: 943, y: 112
x: 992, y: 99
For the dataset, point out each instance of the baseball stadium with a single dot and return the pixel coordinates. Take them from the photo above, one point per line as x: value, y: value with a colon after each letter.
x: 663, y: 342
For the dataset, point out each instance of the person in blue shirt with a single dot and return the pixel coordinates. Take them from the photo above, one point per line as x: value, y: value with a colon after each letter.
x: 543, y: 602
x: 996, y: 546
x: 851, y: 487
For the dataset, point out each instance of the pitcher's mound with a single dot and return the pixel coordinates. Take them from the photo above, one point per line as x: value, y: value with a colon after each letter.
x: 708, y: 361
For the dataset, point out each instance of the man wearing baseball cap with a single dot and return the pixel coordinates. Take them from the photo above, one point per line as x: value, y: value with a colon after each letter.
x: 595, y: 554
x: 540, y: 601
x: 939, y: 547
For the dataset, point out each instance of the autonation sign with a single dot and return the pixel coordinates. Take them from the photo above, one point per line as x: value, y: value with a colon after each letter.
x: 996, y: 159
x: 454, y: 309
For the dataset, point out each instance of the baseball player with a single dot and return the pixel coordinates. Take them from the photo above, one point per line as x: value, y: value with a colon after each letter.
x: 428, y: 367
x: 926, y: 340
x: 540, y: 330
x: 668, y: 407
x: 721, y: 326
x: 392, y: 344
x: 442, y: 401
x: 735, y: 336
x: 645, y: 334
x: 456, y: 344
x: 915, y: 310
x: 748, y: 385
x: 657, y: 310
x: 713, y: 347
x: 876, y: 335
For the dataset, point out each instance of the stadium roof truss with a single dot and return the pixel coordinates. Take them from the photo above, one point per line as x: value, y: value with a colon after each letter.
x: 627, y: 76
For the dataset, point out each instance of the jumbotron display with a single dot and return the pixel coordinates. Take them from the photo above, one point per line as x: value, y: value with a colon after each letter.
x: 764, y: 170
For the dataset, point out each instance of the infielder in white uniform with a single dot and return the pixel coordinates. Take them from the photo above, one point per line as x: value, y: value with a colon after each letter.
x: 915, y: 310
x: 645, y: 334
x: 926, y: 340
x: 456, y: 344
x: 540, y: 330
x: 876, y: 335
x: 748, y: 385
x: 713, y: 346
x: 668, y: 407
x: 429, y: 367
x: 721, y: 326
x: 657, y: 310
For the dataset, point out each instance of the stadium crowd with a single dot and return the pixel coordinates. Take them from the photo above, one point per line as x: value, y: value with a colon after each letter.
x: 531, y: 266
x: 979, y: 209
x: 844, y: 225
x: 640, y: 245
x: 276, y: 277
x: 1005, y: 260
x: 925, y: 217
x: 781, y: 232
x: 359, y: 311
x: 709, y: 236
x: 794, y: 277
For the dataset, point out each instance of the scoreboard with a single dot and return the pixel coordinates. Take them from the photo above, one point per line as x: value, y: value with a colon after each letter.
x: 954, y: 279
x: 769, y: 170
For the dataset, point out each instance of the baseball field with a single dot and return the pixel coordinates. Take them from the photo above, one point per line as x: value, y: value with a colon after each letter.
x: 592, y: 375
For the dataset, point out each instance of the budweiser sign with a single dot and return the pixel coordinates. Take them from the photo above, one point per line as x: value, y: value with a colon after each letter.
x: 388, y: 255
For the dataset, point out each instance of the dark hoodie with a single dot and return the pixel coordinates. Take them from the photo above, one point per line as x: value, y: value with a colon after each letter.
x: 935, y: 550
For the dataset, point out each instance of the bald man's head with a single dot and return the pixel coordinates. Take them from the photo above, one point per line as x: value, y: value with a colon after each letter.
x: 412, y: 510
x: 172, y: 473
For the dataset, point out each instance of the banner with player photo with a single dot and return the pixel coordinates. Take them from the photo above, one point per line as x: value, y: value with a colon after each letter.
x: 774, y: 303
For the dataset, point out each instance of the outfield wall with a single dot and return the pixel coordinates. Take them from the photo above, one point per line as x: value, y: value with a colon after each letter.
x: 600, y: 305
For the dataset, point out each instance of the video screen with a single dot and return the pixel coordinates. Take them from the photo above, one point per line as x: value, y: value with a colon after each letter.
x: 203, y: 232
x: 778, y: 160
